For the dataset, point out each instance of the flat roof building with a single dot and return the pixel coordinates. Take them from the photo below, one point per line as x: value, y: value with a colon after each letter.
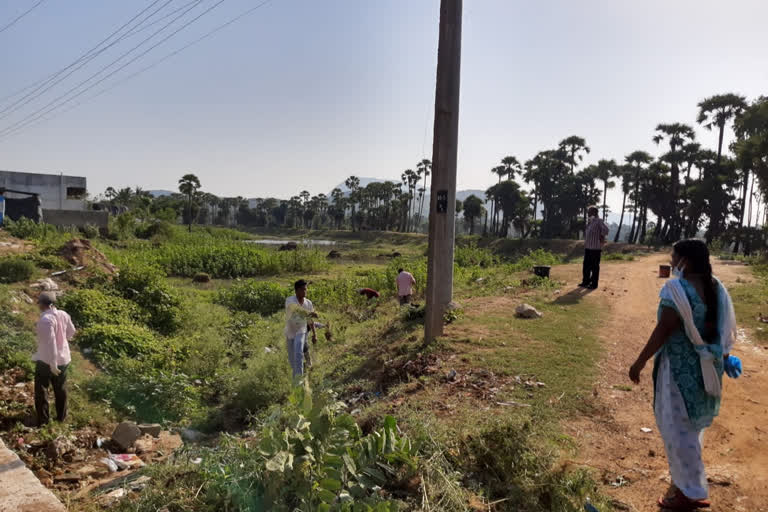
x: 56, y: 191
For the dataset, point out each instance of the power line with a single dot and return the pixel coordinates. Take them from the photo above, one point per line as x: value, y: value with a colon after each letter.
x: 20, y: 16
x: 83, y: 56
x: 164, y: 17
x: 156, y: 63
x: 52, y: 104
x: 84, y: 59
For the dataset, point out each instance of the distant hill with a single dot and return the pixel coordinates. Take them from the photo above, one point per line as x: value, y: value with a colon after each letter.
x: 161, y: 193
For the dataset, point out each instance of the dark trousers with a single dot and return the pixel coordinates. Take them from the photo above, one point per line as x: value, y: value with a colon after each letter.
x: 43, y: 379
x: 591, y: 269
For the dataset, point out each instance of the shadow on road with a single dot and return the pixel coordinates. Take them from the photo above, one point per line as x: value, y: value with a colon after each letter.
x: 572, y: 297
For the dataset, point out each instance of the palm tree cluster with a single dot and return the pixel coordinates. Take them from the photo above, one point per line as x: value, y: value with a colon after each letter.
x: 688, y: 188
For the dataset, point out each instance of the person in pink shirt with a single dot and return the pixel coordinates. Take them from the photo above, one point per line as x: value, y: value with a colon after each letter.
x: 405, y: 282
x: 54, y: 330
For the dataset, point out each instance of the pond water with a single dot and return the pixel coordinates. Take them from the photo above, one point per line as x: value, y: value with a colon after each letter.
x: 306, y: 241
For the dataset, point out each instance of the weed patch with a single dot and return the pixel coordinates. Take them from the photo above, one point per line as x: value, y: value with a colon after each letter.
x: 15, y: 269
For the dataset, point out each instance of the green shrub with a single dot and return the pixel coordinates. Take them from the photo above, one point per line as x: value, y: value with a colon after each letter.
x: 88, y: 307
x: 17, y: 343
x: 534, y: 258
x: 48, y: 261
x: 265, y: 383
x: 110, y: 341
x: 90, y: 231
x: 254, y: 297
x: 310, y: 456
x: 145, y: 285
x: 14, y: 269
x: 147, y: 393
x: 157, y: 229
x: 473, y: 256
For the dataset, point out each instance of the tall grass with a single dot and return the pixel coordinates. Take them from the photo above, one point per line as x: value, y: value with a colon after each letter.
x: 220, y: 258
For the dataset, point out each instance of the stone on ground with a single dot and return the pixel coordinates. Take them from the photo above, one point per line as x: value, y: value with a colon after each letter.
x: 125, y: 435
x: 527, y: 311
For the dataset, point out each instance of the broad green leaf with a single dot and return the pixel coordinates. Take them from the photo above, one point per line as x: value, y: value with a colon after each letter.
x: 330, y: 484
x: 326, y: 495
x: 349, y: 464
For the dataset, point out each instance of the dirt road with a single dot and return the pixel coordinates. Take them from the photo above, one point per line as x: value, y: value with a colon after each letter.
x: 633, y: 463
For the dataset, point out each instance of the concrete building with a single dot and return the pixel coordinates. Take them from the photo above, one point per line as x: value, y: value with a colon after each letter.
x: 56, y: 191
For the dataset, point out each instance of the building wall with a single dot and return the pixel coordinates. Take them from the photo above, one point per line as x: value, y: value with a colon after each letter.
x: 57, y: 192
x: 67, y: 218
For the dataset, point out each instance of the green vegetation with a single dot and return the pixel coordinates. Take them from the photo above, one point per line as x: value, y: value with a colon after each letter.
x: 254, y: 297
x: 14, y: 269
x: 211, y: 355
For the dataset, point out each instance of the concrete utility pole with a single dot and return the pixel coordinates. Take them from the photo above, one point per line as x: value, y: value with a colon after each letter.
x: 442, y: 205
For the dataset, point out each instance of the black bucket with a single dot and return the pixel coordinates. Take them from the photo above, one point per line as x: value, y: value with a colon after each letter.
x: 541, y: 271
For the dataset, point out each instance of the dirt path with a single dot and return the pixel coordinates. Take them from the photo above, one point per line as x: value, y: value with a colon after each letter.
x: 633, y: 463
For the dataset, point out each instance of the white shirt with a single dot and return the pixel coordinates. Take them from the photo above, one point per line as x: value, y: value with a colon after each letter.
x: 297, y: 316
x: 54, y: 330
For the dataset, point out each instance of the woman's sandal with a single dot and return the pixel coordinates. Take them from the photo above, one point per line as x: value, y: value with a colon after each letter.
x: 680, y: 501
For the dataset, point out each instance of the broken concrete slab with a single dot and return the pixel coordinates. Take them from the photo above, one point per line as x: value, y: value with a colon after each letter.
x: 126, y: 434
x: 153, y: 429
x: 20, y: 490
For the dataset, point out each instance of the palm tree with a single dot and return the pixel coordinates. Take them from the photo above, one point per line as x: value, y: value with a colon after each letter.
x: 623, y: 172
x: 423, y: 168
x: 353, y: 184
x: 636, y: 160
x: 604, y: 171
x: 512, y: 166
x: 473, y: 209
x: 677, y: 135
x: 189, y: 184
x: 573, y: 146
x: 717, y: 111
x: 500, y: 171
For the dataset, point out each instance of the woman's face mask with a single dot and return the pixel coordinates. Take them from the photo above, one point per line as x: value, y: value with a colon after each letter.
x: 677, y: 270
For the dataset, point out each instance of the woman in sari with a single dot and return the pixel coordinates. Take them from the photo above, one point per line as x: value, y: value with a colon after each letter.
x: 691, y: 343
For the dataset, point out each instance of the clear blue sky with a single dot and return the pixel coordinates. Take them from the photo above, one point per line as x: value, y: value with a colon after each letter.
x: 303, y: 93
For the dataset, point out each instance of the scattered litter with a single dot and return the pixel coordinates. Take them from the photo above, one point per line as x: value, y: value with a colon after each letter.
x: 513, y: 404
x: 267, y: 350
x: 127, y: 460
x: 46, y: 284
x: 113, y: 497
x: 451, y: 375
x: 619, y: 481
x: 140, y: 483
x: 526, y: 311
x: 111, y: 465
x: 646, y: 430
x: 198, y: 460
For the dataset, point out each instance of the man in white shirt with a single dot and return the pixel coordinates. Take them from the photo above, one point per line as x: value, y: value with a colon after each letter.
x: 299, y: 314
x: 405, y: 282
x: 54, y: 330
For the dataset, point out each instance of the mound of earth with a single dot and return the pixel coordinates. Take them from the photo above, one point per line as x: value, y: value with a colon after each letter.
x: 80, y: 252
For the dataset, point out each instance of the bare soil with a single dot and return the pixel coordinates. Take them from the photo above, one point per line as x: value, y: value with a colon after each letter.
x: 633, y: 463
